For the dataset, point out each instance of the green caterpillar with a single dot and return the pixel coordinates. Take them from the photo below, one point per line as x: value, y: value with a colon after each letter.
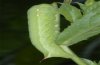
x: 43, y: 21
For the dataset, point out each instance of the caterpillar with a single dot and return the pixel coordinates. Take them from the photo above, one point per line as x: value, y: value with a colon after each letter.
x: 43, y: 22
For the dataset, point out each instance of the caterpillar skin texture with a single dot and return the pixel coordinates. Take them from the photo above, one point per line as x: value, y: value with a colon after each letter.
x: 43, y: 22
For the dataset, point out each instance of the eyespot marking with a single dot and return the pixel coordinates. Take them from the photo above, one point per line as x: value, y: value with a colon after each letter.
x: 37, y: 15
x: 56, y: 25
x: 56, y: 15
x: 37, y: 10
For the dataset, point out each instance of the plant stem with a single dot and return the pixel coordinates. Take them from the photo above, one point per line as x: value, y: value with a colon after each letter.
x: 78, y: 60
x: 74, y: 57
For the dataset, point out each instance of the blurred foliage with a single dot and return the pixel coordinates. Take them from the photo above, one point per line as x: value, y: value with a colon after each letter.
x: 14, y: 39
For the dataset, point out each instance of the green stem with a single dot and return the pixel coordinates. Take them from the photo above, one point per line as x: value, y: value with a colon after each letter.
x: 78, y: 60
x: 74, y: 57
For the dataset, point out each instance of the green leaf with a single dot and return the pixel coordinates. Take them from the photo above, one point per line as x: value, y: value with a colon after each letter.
x: 99, y: 63
x: 83, y: 7
x: 71, y: 13
x: 89, y: 2
x: 84, y: 28
x: 86, y: 9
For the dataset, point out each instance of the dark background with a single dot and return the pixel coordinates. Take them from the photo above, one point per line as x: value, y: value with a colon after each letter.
x: 15, y: 45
